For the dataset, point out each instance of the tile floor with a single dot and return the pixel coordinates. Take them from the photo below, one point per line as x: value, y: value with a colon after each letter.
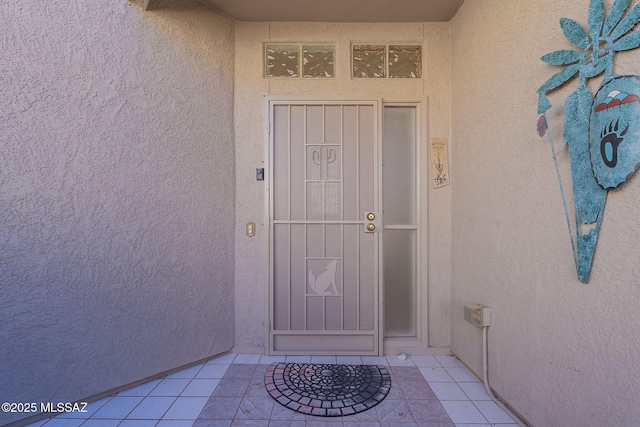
x: 228, y: 391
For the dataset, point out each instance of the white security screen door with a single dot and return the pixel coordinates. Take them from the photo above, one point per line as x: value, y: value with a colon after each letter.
x: 324, y: 224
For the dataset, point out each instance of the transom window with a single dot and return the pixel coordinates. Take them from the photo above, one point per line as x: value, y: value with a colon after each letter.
x: 380, y: 61
x: 300, y: 60
x: 319, y: 61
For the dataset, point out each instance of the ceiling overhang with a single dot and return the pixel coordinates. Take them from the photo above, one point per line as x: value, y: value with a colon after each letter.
x: 337, y: 10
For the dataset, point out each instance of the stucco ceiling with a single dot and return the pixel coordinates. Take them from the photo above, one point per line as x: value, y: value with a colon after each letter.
x: 338, y: 10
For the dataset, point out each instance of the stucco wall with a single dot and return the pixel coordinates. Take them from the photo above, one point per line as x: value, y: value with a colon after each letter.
x: 250, y: 109
x: 561, y: 352
x: 116, y: 194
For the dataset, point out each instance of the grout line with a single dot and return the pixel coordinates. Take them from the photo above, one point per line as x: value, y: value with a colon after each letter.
x: 443, y: 364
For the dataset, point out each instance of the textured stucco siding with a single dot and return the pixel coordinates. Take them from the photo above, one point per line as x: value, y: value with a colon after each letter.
x: 251, y: 91
x: 117, y: 187
x: 561, y: 352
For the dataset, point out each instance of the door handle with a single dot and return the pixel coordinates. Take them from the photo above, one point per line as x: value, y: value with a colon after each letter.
x: 373, y: 221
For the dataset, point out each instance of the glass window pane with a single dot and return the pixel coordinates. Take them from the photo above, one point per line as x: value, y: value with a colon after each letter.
x: 399, y: 166
x: 282, y: 61
x: 405, y: 61
x: 368, y: 61
x: 400, y: 283
x: 318, y: 61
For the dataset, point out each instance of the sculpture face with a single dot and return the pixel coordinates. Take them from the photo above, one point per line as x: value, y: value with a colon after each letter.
x: 614, y: 134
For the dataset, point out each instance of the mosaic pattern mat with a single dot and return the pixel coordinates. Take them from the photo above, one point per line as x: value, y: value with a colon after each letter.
x: 327, y: 390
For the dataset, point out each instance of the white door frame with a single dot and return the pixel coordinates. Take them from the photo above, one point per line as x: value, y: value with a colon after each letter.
x: 420, y: 344
x: 417, y: 344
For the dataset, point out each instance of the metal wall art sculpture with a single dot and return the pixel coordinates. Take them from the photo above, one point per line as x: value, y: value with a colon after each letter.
x: 602, y: 131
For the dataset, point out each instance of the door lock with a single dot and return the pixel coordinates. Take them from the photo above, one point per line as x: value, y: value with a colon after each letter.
x: 372, y: 221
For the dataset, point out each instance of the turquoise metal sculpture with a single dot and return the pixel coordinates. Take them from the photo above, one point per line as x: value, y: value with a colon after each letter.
x: 602, y: 131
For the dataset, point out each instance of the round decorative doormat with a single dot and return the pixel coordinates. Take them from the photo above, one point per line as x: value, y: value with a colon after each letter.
x: 327, y: 390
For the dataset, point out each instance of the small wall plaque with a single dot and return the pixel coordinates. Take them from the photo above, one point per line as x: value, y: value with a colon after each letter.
x: 439, y: 162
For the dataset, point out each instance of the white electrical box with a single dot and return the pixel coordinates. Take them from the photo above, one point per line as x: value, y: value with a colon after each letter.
x: 477, y: 314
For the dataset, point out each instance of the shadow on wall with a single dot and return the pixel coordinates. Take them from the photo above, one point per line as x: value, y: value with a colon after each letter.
x: 118, y: 217
x: 172, y: 5
x: 195, y: 27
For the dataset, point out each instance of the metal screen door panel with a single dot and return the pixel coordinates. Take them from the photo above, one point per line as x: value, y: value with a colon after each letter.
x: 324, y: 290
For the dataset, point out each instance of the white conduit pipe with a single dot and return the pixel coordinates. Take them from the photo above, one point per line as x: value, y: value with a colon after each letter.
x: 485, y: 380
